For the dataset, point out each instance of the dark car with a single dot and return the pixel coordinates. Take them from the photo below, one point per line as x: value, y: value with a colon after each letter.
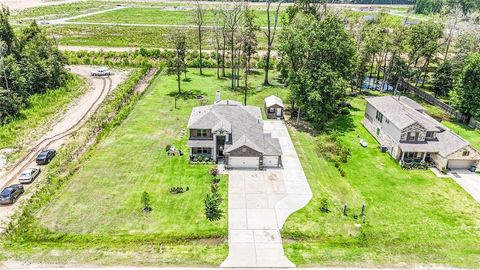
x: 11, y: 193
x: 46, y: 156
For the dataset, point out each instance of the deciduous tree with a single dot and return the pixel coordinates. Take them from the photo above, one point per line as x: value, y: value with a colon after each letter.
x: 466, y: 95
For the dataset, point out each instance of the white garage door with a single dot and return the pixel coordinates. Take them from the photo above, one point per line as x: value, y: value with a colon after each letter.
x: 243, y: 162
x: 270, y: 161
x: 460, y: 164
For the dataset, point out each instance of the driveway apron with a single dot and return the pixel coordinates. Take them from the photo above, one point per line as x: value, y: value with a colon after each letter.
x: 259, y: 203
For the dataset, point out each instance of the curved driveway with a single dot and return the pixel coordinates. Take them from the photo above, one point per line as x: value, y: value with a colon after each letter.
x: 259, y: 203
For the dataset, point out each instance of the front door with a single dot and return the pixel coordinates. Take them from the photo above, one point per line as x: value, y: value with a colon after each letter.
x: 279, y: 112
x: 220, y: 146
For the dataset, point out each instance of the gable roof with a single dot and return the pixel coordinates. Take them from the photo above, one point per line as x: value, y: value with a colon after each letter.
x: 404, y: 112
x: 273, y: 100
x: 243, y: 122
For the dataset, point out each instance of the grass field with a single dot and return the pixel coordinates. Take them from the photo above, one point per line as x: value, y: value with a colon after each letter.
x: 139, y: 15
x: 97, y: 217
x: 38, y: 113
x: 132, y: 36
x: 412, y: 217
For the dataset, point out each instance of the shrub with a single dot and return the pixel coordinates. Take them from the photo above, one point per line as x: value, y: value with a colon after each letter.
x: 214, y: 172
x: 332, y: 150
x: 324, y: 205
x: 212, y: 202
x: 146, y: 202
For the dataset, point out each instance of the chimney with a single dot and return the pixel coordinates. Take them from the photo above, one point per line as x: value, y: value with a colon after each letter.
x: 217, y: 97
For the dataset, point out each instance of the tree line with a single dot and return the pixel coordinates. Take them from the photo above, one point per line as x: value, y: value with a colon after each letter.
x: 30, y: 64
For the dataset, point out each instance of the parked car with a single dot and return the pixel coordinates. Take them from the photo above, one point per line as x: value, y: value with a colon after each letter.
x: 46, y: 156
x: 29, y: 175
x: 10, y: 194
x: 101, y: 72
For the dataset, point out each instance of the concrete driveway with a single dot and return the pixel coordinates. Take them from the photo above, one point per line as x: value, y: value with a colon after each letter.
x: 469, y: 181
x: 259, y: 202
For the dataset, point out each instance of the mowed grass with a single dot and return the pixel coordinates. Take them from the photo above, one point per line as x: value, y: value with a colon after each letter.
x: 412, y: 217
x: 38, y: 113
x: 168, y: 16
x: 97, y: 218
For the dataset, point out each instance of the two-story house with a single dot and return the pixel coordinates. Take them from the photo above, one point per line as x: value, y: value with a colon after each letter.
x: 231, y: 133
x: 409, y: 134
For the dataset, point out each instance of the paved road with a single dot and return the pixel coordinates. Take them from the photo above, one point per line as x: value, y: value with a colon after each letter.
x: 259, y: 203
x: 58, y: 134
x: 469, y: 181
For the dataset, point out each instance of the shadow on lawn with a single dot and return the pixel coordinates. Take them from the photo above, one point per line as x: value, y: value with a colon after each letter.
x: 340, y: 125
x: 190, y: 94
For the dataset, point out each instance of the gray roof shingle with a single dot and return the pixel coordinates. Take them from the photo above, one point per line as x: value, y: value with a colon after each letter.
x: 244, y: 122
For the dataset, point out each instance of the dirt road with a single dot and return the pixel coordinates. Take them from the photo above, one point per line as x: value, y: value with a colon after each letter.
x: 80, y: 111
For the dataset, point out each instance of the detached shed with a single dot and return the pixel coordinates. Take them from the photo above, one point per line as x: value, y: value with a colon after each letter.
x: 274, y: 107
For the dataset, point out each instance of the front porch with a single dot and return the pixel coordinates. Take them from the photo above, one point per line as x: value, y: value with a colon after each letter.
x: 416, y: 159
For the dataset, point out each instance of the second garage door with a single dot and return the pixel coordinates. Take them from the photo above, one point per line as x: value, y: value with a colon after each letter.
x: 460, y: 164
x: 270, y: 161
x: 243, y: 162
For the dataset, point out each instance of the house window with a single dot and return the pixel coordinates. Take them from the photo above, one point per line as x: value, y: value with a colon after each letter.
x: 202, y: 133
x: 430, y: 135
x: 202, y: 150
x: 412, y: 136
x: 466, y: 153
x: 271, y: 110
x: 379, y: 116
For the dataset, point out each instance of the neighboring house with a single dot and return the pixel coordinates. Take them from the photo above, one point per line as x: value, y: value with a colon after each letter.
x: 410, y: 135
x: 232, y: 133
x: 274, y: 107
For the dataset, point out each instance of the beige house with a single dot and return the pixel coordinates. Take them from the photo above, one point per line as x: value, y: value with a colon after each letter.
x: 231, y: 133
x: 410, y: 135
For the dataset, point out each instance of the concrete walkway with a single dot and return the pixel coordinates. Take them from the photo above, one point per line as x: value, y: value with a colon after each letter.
x: 260, y: 202
x: 469, y: 181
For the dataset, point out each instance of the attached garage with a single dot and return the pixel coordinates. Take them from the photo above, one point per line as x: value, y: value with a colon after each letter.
x: 271, y: 161
x: 243, y: 162
x: 460, y: 164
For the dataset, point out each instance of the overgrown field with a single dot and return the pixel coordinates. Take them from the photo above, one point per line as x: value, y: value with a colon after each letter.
x: 97, y: 217
x: 412, y: 217
x: 40, y: 110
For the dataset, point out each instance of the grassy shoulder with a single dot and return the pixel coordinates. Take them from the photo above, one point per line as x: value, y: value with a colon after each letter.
x: 97, y: 218
x: 412, y: 217
x: 40, y: 111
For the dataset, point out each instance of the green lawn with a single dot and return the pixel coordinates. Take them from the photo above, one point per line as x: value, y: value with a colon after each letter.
x: 100, y: 211
x: 41, y: 108
x: 412, y: 217
x: 149, y: 15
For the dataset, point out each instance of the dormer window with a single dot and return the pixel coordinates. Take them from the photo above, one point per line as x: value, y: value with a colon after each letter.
x: 430, y: 135
x: 412, y: 136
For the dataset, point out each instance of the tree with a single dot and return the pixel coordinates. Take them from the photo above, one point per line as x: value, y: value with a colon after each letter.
x: 6, y: 31
x: 320, y: 56
x: 10, y: 104
x: 198, y: 14
x: 179, y: 64
x: 233, y: 17
x: 458, y: 8
x: 250, y: 43
x: 270, y: 33
x: 465, y: 96
x: 428, y: 6
x: 443, y: 79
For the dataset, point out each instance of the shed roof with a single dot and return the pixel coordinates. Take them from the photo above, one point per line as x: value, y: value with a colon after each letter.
x: 273, y: 100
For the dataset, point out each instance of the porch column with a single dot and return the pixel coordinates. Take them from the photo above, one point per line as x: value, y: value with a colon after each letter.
x: 424, y: 156
x: 402, y: 156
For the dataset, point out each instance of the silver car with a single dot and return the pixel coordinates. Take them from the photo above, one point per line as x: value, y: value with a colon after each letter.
x: 29, y: 175
x: 103, y: 71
